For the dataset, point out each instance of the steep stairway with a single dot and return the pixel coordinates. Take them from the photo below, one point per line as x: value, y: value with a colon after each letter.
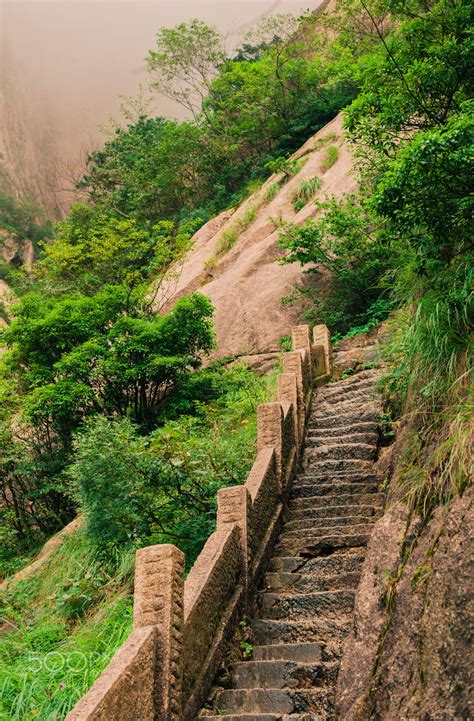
x: 305, y: 606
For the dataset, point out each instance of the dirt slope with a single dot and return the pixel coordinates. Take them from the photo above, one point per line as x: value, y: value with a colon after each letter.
x: 247, y: 282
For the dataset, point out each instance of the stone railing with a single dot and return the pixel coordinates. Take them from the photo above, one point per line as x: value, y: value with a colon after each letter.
x: 182, y: 629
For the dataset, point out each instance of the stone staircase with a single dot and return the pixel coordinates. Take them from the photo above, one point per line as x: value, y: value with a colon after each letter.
x: 304, y: 609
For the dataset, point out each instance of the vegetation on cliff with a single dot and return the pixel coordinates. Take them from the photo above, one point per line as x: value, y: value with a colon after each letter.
x: 104, y: 407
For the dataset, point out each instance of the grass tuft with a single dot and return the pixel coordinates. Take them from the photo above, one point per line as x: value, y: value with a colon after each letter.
x: 331, y: 154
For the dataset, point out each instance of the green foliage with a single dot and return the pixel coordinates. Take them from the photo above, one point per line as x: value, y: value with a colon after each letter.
x: 288, y: 167
x: 64, y: 625
x: 94, y: 249
x: 330, y: 156
x: 159, y: 489
x: 346, y: 241
x: 74, y: 357
x: 152, y: 170
x: 271, y: 192
x: 305, y: 192
x: 186, y: 59
x: 24, y: 219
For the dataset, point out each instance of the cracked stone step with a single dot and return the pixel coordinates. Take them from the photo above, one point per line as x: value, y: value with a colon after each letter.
x: 333, y: 489
x: 363, y: 391
x: 342, y: 522
x: 271, y: 700
x: 320, y: 545
x: 338, y: 476
x: 369, y: 374
x: 363, y: 415
x: 370, y: 427
x: 323, y: 604
x: 351, y: 451
x: 267, y: 717
x: 283, y: 674
x: 341, y: 497
x: 344, y: 406
x: 303, y: 534
x: 339, y: 511
x: 298, y: 652
x: 342, y: 561
x: 270, y: 631
x: 315, y: 440
x: 346, y: 465
x: 307, y: 583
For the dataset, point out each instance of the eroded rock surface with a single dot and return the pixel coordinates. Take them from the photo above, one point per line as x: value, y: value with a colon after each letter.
x: 409, y: 655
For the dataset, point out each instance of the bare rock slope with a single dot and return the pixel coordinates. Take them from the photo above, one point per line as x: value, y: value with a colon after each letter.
x: 246, y: 282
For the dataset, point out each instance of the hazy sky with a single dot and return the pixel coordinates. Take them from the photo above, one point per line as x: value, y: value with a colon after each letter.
x: 70, y: 59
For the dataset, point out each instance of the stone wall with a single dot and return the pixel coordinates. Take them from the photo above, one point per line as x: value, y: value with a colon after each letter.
x: 182, y: 629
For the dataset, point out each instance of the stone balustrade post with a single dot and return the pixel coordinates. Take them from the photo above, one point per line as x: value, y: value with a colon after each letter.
x: 158, y: 601
x: 270, y: 433
x: 234, y: 506
x: 321, y: 337
x: 292, y: 363
x: 287, y: 392
x: 300, y: 337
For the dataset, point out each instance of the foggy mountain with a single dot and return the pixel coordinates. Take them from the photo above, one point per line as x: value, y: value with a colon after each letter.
x: 64, y: 64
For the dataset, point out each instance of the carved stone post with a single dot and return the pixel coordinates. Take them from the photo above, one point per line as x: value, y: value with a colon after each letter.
x: 287, y: 392
x: 270, y: 433
x: 300, y: 337
x: 322, y: 337
x: 292, y: 363
x: 158, y: 601
x: 234, y: 506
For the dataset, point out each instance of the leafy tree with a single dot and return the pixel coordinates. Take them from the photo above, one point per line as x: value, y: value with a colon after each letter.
x: 351, y: 242
x: 186, y: 59
x: 94, y: 249
x: 148, y: 171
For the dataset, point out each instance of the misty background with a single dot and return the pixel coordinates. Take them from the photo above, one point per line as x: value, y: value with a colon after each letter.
x: 63, y: 66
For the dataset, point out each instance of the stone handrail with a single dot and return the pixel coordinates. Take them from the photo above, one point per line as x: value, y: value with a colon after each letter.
x: 183, y: 629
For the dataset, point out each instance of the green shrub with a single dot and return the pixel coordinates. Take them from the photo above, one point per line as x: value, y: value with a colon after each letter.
x: 271, y: 192
x: 305, y: 192
x: 330, y: 156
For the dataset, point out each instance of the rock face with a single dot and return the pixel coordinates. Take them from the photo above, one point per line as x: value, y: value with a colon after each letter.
x: 409, y: 654
x: 304, y: 609
x: 247, y: 283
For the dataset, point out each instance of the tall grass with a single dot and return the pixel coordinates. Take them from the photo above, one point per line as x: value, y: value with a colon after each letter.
x: 64, y: 626
x: 430, y: 388
x: 331, y: 154
x: 305, y: 192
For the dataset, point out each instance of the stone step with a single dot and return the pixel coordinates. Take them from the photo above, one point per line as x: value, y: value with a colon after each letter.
x: 298, y: 652
x: 368, y: 377
x: 302, y: 534
x: 307, y: 583
x: 293, y: 607
x: 283, y: 674
x: 335, y: 420
x: 327, y: 512
x: 346, y: 465
x: 270, y: 631
x: 333, y: 489
x: 319, y: 545
x: 340, y: 498
x: 344, y: 405
x: 271, y: 700
x: 369, y: 427
x: 363, y: 391
x: 335, y: 522
x: 315, y: 439
x: 342, y: 561
x: 268, y: 717
x: 350, y: 451
x: 316, y: 477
